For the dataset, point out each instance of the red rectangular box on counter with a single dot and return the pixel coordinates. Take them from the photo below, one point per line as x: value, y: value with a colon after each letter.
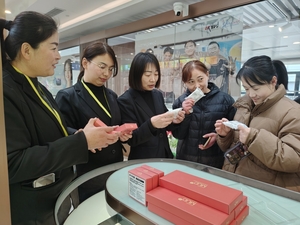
x: 157, y: 171
x: 126, y: 128
x: 240, y: 206
x: 187, y: 208
x: 139, y: 184
x: 241, y: 217
x: 233, y: 222
x: 151, y: 174
x: 167, y: 215
x: 212, y: 194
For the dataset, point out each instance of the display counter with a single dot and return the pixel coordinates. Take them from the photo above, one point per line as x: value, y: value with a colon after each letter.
x: 268, y: 204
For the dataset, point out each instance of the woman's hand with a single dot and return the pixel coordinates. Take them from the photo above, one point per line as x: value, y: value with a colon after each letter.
x: 125, y: 136
x: 212, y: 136
x: 243, y: 133
x: 162, y: 120
x: 99, y: 137
x: 221, y: 129
x: 187, y: 105
x: 180, y: 117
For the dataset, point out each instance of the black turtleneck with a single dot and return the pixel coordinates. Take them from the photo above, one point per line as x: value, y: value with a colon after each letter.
x: 147, y: 96
x: 99, y: 93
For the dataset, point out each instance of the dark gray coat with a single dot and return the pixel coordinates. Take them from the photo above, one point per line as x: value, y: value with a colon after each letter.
x: 213, y: 106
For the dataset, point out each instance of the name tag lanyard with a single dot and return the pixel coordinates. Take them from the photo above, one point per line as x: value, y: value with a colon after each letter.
x: 94, y: 97
x: 52, y: 110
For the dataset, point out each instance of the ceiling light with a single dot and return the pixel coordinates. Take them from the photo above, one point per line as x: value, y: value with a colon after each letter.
x: 285, y: 36
x: 282, y: 28
x: 296, y: 43
x: 106, y: 9
x: 7, y: 12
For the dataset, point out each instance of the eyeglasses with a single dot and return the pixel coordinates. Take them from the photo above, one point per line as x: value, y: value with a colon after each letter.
x: 103, y: 67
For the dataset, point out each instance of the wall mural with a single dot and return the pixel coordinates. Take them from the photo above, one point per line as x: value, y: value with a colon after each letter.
x: 216, y: 42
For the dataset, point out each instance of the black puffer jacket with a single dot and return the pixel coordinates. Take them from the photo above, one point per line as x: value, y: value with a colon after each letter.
x: 213, y: 106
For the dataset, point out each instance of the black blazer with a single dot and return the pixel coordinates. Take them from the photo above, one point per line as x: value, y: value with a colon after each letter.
x: 78, y: 106
x: 36, y: 146
x: 146, y: 141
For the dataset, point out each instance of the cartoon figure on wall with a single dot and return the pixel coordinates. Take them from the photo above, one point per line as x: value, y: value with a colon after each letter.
x: 220, y: 67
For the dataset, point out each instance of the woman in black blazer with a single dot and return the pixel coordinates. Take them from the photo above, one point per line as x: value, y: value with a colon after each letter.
x: 37, y: 138
x: 144, y: 104
x: 89, y: 98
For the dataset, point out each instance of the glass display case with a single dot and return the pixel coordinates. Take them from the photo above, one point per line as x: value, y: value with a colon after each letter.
x: 268, y: 204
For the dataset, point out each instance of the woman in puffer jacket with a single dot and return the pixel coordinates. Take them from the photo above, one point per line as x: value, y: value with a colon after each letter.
x: 198, y: 125
x: 272, y: 135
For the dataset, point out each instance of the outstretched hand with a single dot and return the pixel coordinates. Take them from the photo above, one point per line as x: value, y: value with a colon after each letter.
x: 213, y: 137
x: 99, y: 137
x: 125, y: 136
x: 220, y: 128
x: 179, y: 117
x: 187, y: 105
x: 162, y: 120
x: 243, y: 133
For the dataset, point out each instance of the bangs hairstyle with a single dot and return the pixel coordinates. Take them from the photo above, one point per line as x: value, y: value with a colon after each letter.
x: 258, y: 69
x: 137, y: 69
x: 97, y: 49
x: 189, y: 67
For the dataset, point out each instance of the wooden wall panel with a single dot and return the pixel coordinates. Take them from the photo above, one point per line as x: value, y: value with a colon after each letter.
x: 4, y: 188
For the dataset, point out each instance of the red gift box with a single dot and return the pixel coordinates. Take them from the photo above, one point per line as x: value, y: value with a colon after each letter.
x: 157, y: 171
x: 151, y: 174
x: 167, y: 215
x: 233, y: 222
x: 189, y: 209
x: 99, y: 123
x: 240, y: 206
x: 215, y: 195
x: 240, y: 218
x: 138, y: 184
x: 126, y: 128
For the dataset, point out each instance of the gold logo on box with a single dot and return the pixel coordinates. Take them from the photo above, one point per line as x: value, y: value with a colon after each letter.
x: 236, y: 203
x: 198, y: 183
x: 187, y: 201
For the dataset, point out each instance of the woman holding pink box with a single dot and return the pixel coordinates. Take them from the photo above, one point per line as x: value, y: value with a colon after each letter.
x: 89, y: 98
x: 144, y: 105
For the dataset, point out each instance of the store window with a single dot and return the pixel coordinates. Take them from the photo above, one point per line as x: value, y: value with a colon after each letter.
x: 222, y: 40
x: 65, y: 73
x: 124, y: 49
